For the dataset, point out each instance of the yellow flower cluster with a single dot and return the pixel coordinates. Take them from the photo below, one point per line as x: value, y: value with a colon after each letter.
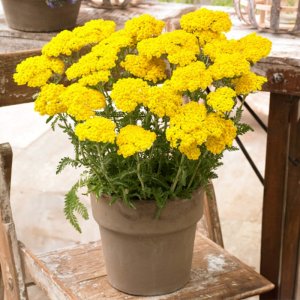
x: 229, y: 66
x: 128, y: 93
x: 217, y: 144
x: 187, y: 130
x: 252, y: 47
x: 67, y: 42
x: 133, y: 139
x: 191, y: 77
x: 81, y: 102
x: 180, y: 47
x: 48, y: 101
x: 207, y: 25
x: 102, y: 57
x: 37, y: 70
x: 153, y: 69
x: 142, y: 69
x: 96, y: 129
x: 222, y: 100
x: 255, y: 47
x: 164, y: 100
x: 144, y: 27
x: 248, y: 82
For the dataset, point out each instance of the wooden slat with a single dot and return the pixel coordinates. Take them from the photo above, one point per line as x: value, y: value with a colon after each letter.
x: 275, y: 15
x: 10, y: 92
x: 291, y: 236
x: 274, y: 189
x: 13, y: 279
x: 1, y: 285
x: 211, y: 215
x: 80, y: 270
x: 283, y: 75
x: 297, y: 22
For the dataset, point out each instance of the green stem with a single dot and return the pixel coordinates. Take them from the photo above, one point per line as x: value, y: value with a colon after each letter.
x: 194, y: 174
x: 139, y: 175
x: 103, y: 171
x: 177, y: 175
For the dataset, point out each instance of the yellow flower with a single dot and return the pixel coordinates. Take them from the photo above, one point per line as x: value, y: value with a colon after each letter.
x: 219, y: 47
x: 229, y: 66
x: 208, y: 36
x: 153, y: 69
x: 180, y: 47
x: 204, y: 20
x: 217, y: 145
x: 102, y: 57
x: 255, y: 47
x: 94, y: 78
x: 37, y: 70
x: 248, y: 82
x: 221, y: 100
x: 191, y: 77
x: 164, y: 101
x: 127, y: 93
x: 144, y: 27
x: 187, y: 129
x: 48, y: 101
x: 133, y: 139
x: 67, y: 41
x: 96, y: 129
x: 81, y: 102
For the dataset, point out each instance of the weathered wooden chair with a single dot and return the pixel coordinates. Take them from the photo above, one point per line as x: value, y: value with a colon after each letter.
x: 78, y: 272
x: 275, y: 15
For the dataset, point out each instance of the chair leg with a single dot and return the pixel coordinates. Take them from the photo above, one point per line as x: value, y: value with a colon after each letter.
x: 11, y: 265
x: 1, y: 285
x: 211, y: 215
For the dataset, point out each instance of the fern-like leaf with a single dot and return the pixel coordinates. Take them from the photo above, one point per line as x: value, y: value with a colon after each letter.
x: 65, y: 162
x: 72, y: 205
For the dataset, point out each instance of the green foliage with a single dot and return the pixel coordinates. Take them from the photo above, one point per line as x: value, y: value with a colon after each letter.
x: 73, y: 205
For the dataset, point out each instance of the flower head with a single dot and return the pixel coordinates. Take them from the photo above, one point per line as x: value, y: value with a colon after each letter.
x: 127, y: 93
x: 37, y: 70
x: 96, y: 129
x: 133, y: 139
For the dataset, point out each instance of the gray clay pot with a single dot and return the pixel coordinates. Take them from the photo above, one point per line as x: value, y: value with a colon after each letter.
x: 143, y: 255
x: 36, y: 16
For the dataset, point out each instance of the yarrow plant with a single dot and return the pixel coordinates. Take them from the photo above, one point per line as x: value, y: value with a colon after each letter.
x: 150, y: 114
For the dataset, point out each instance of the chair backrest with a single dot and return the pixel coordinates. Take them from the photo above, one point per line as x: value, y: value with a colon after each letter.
x: 10, y: 261
x: 10, y: 92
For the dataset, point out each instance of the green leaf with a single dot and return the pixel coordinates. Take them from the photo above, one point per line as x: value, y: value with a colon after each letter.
x: 65, y: 162
x: 72, y: 205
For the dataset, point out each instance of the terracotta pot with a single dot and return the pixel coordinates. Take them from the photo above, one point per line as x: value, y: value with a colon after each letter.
x: 36, y: 16
x: 144, y: 255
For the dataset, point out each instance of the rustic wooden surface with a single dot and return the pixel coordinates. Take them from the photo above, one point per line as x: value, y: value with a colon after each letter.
x: 283, y: 74
x: 281, y: 220
x: 11, y: 267
x: 14, y: 40
x: 292, y: 221
x: 211, y: 218
x: 80, y: 271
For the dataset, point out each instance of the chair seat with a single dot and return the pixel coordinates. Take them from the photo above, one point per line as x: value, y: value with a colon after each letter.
x: 78, y: 272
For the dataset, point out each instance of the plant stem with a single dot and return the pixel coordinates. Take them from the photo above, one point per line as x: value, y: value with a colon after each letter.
x: 139, y: 175
x: 194, y: 174
x: 177, y: 175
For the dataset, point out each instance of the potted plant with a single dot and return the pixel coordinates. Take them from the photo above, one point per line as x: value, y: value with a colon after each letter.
x: 150, y: 115
x: 41, y: 15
